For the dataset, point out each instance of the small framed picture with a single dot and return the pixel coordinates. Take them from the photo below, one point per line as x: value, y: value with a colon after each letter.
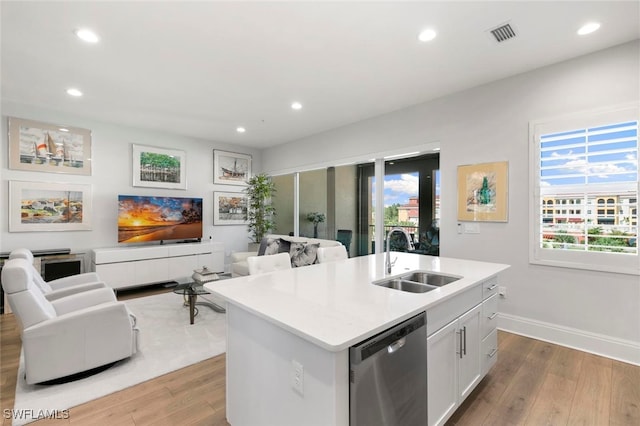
x: 159, y: 167
x: 230, y: 208
x: 46, y: 206
x: 483, y: 192
x: 44, y: 147
x: 231, y: 168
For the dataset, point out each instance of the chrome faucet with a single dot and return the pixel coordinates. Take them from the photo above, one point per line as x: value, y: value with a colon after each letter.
x: 388, y: 263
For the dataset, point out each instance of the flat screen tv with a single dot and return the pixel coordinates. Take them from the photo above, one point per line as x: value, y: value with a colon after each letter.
x: 144, y: 218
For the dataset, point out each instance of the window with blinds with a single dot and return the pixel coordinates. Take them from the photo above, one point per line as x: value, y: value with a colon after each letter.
x: 586, y: 192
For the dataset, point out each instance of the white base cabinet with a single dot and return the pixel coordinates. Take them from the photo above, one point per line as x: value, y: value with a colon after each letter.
x: 462, y: 346
x: 453, y: 363
x: 123, y: 267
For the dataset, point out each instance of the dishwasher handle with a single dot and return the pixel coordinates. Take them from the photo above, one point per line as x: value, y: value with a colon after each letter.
x: 397, y: 345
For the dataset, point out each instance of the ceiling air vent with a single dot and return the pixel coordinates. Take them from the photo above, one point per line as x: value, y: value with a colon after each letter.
x: 503, y: 33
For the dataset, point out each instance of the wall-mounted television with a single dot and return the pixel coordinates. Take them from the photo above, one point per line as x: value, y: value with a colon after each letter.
x: 145, y: 218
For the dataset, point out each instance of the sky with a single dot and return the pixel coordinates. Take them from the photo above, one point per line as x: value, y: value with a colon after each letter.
x: 605, y: 154
x: 398, y: 188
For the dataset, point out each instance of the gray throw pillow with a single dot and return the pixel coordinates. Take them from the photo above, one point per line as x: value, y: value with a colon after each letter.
x: 270, y: 246
x: 303, y: 254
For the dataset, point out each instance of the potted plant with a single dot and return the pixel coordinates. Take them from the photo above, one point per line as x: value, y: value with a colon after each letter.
x: 260, y: 211
x: 315, y: 218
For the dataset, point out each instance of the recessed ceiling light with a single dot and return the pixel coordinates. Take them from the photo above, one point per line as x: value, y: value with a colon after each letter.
x: 74, y: 92
x: 87, y: 35
x: 427, y: 35
x: 240, y: 129
x: 588, y: 28
x: 62, y: 129
x: 296, y: 105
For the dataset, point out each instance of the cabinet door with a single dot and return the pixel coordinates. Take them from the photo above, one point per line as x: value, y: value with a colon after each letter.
x: 116, y: 275
x: 151, y: 271
x: 470, y: 369
x: 182, y: 267
x: 442, y: 378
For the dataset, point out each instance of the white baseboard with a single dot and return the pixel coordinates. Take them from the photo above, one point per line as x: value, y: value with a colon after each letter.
x: 599, y: 344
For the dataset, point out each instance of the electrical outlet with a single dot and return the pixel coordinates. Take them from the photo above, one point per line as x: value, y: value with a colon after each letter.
x: 502, y: 291
x: 297, y: 377
x: 471, y: 228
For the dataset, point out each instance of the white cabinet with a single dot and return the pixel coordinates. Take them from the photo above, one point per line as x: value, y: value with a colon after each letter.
x: 462, y: 345
x: 489, y: 346
x: 442, y: 373
x: 453, y: 361
x: 123, y: 267
x: 470, y: 371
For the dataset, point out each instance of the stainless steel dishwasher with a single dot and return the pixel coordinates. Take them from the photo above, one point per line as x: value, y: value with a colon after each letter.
x: 388, y: 377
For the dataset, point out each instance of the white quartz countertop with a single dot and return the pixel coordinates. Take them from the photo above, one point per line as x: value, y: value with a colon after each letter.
x: 334, y: 305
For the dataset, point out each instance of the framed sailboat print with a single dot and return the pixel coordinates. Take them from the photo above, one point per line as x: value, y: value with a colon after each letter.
x: 44, y: 147
x: 231, y: 168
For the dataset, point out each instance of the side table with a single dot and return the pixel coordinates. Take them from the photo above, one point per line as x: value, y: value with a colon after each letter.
x: 190, y: 291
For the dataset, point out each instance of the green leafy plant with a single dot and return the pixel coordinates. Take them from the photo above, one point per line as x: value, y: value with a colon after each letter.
x: 315, y: 218
x: 260, y: 211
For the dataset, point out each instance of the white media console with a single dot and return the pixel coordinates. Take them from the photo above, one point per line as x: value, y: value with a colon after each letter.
x: 123, y: 267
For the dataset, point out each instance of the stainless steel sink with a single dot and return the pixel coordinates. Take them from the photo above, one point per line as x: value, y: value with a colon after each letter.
x: 405, y: 285
x: 430, y: 278
x: 417, y: 281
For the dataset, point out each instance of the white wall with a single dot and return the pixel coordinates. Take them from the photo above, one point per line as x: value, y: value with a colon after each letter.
x: 599, y: 312
x: 112, y: 175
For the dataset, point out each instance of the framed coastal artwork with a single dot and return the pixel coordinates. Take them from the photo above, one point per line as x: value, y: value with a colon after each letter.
x: 231, y: 168
x: 230, y: 208
x: 47, y: 206
x: 483, y: 192
x: 159, y: 167
x: 44, y: 147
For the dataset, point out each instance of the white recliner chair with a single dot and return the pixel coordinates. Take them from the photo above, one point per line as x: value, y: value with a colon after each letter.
x: 270, y: 263
x: 68, y: 335
x: 60, y: 287
x: 332, y: 254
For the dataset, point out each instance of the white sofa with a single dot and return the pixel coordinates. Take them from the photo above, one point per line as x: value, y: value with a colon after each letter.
x: 240, y: 267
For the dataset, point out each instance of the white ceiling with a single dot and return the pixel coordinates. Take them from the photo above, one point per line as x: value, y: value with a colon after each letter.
x: 203, y: 68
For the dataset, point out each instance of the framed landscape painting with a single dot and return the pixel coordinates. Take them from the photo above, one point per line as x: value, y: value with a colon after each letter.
x: 45, y: 206
x: 231, y: 168
x: 159, y: 167
x: 230, y: 208
x: 43, y: 147
x: 483, y: 192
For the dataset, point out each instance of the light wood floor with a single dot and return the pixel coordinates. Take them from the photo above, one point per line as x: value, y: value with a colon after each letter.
x: 533, y: 383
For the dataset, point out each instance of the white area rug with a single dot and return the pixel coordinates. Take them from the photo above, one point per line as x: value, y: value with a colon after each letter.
x: 167, y: 342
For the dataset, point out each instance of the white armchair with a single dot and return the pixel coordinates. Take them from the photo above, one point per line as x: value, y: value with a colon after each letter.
x: 60, y: 287
x: 69, y: 335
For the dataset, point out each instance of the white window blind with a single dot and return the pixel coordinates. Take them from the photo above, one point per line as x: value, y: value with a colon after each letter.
x: 585, y: 192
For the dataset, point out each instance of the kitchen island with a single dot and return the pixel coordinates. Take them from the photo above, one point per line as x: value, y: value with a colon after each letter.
x: 289, y: 332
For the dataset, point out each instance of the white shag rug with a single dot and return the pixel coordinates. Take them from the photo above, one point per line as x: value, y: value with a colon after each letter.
x: 166, y: 342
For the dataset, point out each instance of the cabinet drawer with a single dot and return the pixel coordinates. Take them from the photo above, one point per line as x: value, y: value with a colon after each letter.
x: 489, y: 287
x: 489, y: 352
x: 442, y: 314
x: 489, y: 315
